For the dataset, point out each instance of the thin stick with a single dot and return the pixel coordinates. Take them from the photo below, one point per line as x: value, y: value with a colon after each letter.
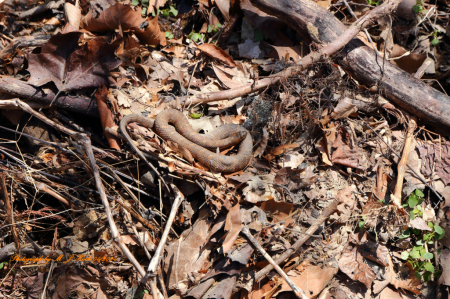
x: 52, y: 265
x: 364, y: 29
x: 9, y: 211
x: 397, y: 196
x: 297, y: 291
x: 179, y: 197
x: 84, y: 140
x: 154, y: 288
x: 410, y: 168
x: 127, y: 207
x: 328, y: 50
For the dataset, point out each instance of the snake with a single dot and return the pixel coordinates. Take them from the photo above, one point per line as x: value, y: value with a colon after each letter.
x: 201, y: 146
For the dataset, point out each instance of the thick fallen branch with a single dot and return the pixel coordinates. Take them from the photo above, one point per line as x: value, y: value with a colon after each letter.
x: 360, y: 61
x: 21, y: 89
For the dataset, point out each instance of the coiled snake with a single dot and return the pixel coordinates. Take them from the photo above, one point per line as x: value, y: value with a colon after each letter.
x: 201, y: 146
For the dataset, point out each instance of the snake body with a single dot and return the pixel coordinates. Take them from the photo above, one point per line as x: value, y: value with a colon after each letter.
x: 199, y: 145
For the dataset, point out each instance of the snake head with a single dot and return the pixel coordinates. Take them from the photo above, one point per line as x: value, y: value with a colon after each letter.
x: 238, y: 137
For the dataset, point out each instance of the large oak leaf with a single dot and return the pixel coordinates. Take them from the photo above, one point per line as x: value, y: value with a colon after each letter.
x: 146, y: 30
x: 70, y: 66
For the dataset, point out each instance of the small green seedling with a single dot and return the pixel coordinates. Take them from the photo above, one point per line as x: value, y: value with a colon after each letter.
x: 435, y: 40
x: 169, y: 35
x: 373, y: 3
x: 165, y: 12
x: 214, y: 28
x: 419, y: 257
x: 362, y: 223
x: 196, y: 37
x: 3, y: 264
x: 418, y: 8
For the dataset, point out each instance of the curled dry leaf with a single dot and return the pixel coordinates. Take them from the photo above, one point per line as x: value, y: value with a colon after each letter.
x: 420, y: 224
x: 224, y: 6
x: 233, y: 227
x: 70, y: 66
x: 348, y: 156
x: 344, y: 109
x: 410, y: 283
x: 310, y: 278
x: 73, y: 15
x: 352, y: 264
x: 146, y: 30
x: 272, y: 153
x: 217, y: 53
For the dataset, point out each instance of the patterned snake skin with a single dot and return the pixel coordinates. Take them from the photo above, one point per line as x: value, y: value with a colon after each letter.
x: 199, y: 145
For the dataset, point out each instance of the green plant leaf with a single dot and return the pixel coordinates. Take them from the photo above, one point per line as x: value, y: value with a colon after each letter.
x: 195, y: 115
x: 218, y: 25
x: 196, y: 37
x: 427, y: 255
x: 404, y: 255
x: 165, y: 13
x: 413, y: 201
x: 415, y: 254
x: 405, y: 234
x: 422, y: 251
x: 429, y: 267
x: 412, y: 215
x: 417, y: 9
x: 419, y: 193
x: 210, y: 28
x: 135, y: 2
x: 2, y: 265
x: 427, y: 276
x: 420, y: 242
x: 173, y: 11
x: 417, y: 275
x: 361, y: 224
x: 439, y: 230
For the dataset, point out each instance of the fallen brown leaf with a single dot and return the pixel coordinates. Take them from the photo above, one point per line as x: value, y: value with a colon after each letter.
x: 128, y: 19
x: 70, y: 66
x: 217, y: 53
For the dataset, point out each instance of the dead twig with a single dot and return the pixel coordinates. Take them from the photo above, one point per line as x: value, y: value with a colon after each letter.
x: 313, y: 57
x: 84, y: 140
x: 325, y: 214
x: 9, y: 211
x: 297, y: 291
x: 398, y: 156
x: 397, y: 196
x: 152, y: 267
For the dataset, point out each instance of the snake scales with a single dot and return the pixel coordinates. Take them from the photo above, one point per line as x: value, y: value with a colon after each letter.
x: 199, y: 145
